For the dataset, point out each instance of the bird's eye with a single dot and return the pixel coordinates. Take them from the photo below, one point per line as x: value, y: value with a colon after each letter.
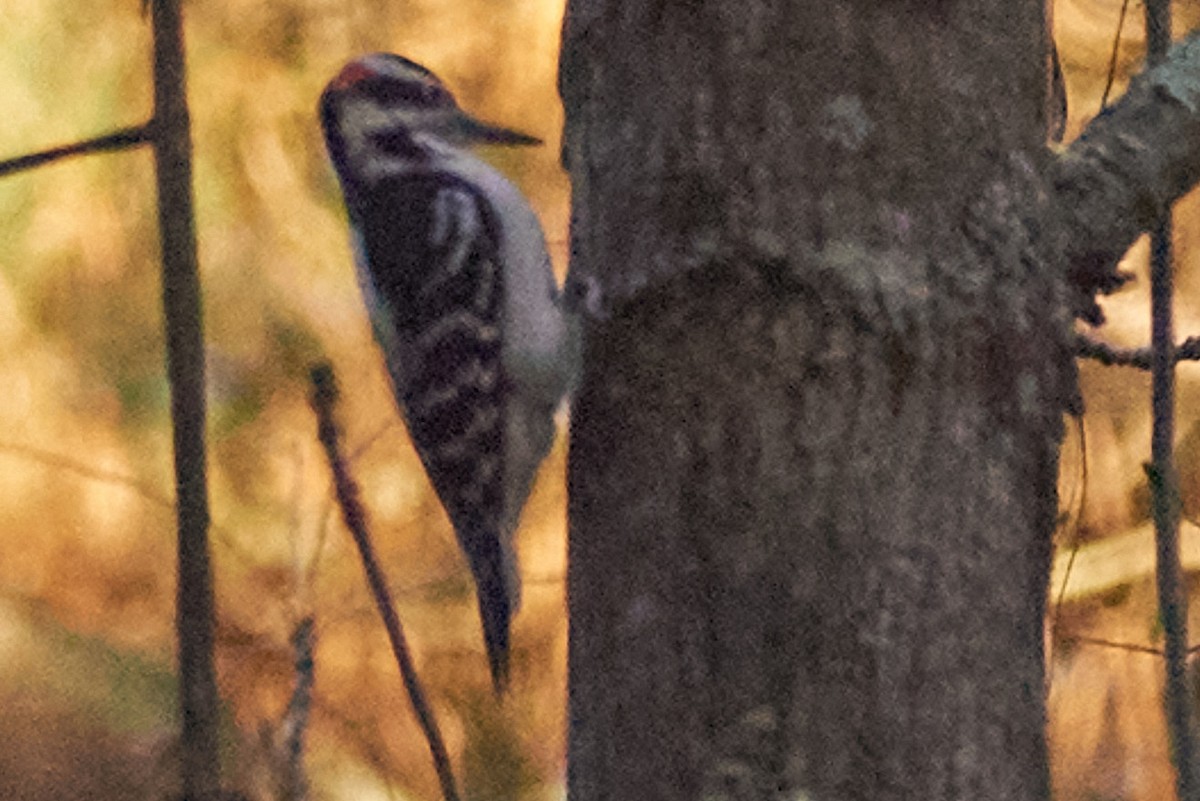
x: 398, y: 143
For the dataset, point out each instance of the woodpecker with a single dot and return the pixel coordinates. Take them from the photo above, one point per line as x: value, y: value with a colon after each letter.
x: 453, y: 267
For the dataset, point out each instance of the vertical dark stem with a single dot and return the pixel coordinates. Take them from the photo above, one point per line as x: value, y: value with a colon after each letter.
x: 1172, y: 600
x: 200, y: 769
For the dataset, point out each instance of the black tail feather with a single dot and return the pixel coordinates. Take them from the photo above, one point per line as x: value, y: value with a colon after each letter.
x: 495, y: 612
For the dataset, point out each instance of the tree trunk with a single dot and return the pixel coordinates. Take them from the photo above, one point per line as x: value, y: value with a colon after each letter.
x: 813, y: 459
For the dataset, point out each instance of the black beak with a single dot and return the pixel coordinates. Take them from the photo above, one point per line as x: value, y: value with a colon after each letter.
x: 468, y: 130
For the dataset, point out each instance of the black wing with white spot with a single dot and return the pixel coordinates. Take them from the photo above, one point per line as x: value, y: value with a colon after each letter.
x: 431, y: 248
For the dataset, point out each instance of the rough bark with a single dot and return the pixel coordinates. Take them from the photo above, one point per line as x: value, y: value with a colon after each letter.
x: 813, y: 456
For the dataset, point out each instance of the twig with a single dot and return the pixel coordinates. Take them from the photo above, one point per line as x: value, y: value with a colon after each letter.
x: 117, y: 140
x: 200, y: 774
x: 1075, y: 540
x: 1121, y: 646
x: 295, y: 719
x: 1164, y: 484
x: 1140, y: 358
x: 1112, y: 62
x: 61, y: 462
x: 324, y: 397
x: 146, y: 491
x: 310, y: 569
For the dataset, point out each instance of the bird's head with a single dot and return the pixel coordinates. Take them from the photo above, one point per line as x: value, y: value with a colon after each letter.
x: 385, y: 104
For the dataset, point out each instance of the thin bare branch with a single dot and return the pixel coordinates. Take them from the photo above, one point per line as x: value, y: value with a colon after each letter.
x: 1112, y: 62
x: 147, y: 492
x: 295, y: 718
x: 1140, y: 358
x: 324, y: 398
x: 122, y: 139
x: 1075, y: 541
x: 62, y: 462
x: 1120, y: 646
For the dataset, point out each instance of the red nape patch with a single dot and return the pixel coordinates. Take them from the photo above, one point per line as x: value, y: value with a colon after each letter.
x: 351, y: 74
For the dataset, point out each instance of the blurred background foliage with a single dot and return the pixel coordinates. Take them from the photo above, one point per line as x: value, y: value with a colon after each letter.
x: 86, y: 526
